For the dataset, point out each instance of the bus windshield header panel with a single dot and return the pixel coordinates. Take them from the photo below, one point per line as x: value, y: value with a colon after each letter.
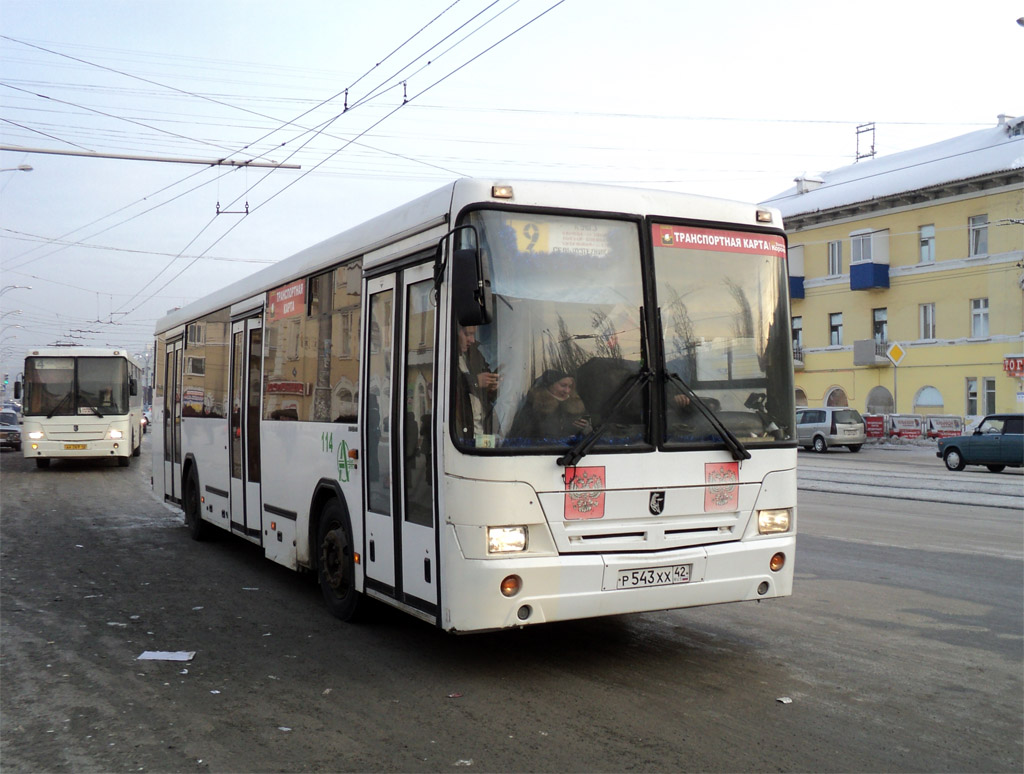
x: 725, y: 327
x: 564, y: 338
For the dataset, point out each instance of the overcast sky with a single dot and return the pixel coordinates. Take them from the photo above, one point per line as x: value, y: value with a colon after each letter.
x: 730, y: 99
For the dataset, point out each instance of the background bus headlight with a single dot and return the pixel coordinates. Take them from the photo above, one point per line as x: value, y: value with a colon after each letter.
x: 115, y: 434
x: 36, y: 435
x: 772, y: 521
x: 506, y: 540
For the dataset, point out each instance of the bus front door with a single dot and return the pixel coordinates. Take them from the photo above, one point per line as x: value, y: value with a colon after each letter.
x: 244, y: 427
x: 401, y: 523
x: 172, y: 421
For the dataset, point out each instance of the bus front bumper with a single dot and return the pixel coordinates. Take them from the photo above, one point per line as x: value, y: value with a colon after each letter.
x: 75, y: 450
x: 567, y: 587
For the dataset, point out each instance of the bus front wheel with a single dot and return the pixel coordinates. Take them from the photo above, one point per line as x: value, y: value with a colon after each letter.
x: 336, y: 568
x: 197, y: 528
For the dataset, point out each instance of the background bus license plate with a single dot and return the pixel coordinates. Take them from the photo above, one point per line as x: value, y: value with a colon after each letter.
x: 654, y: 576
x: 75, y: 446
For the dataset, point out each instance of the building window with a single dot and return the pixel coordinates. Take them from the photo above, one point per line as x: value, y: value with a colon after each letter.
x: 988, y: 394
x: 860, y: 248
x: 978, y: 235
x: 835, y: 329
x: 880, y: 325
x: 195, y: 366
x: 972, y: 397
x: 926, y: 315
x: 979, y: 318
x: 798, y: 335
x: 927, y: 244
x: 835, y: 258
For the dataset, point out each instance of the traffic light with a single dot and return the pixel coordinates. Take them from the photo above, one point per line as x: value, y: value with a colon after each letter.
x: 7, y: 380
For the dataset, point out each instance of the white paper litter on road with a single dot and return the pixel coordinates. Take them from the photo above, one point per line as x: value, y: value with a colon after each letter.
x: 167, y: 655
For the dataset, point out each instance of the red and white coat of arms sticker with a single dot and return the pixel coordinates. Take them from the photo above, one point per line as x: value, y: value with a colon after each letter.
x: 584, y: 493
x: 722, y: 492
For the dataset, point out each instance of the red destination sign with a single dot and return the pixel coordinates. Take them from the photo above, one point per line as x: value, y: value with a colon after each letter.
x: 287, y: 301
x: 717, y: 240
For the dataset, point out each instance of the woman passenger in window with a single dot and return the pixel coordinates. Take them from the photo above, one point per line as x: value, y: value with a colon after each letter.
x: 552, y: 409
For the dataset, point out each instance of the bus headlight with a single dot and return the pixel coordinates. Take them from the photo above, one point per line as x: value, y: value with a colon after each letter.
x: 775, y: 520
x: 36, y: 435
x: 506, y: 540
x: 115, y: 434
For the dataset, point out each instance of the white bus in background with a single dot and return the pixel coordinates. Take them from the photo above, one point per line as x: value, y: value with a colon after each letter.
x: 81, y: 402
x: 362, y: 409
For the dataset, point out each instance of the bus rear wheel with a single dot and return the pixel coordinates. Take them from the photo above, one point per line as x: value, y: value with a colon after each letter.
x: 336, y: 567
x: 42, y: 462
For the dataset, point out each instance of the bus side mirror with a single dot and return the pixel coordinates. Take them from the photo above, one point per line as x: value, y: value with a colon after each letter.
x: 133, y: 387
x: 17, y: 390
x: 471, y: 288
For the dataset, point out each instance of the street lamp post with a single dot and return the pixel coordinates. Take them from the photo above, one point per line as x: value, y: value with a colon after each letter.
x: 5, y: 288
x: 19, y: 168
x: 13, y: 311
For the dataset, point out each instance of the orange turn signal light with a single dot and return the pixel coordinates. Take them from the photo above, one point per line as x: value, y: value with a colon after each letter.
x: 778, y: 561
x: 511, y: 585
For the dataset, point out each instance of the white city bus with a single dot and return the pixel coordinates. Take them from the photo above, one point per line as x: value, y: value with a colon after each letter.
x: 500, y: 405
x: 81, y: 402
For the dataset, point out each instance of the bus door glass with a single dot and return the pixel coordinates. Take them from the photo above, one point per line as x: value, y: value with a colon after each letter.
x: 172, y: 421
x: 244, y: 426
x: 379, y: 550
x: 400, y: 520
x: 418, y: 533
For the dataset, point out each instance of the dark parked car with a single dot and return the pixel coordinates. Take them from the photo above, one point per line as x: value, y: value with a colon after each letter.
x: 10, y: 433
x: 997, y: 443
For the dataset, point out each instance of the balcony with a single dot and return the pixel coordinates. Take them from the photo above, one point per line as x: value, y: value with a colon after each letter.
x: 798, y: 357
x: 870, y: 352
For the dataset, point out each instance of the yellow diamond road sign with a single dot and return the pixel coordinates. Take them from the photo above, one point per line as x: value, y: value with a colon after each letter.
x: 895, y: 353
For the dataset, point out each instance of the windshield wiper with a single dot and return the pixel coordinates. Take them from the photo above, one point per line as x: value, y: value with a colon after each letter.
x: 56, y: 408
x: 739, y: 451
x: 96, y: 411
x: 626, y: 389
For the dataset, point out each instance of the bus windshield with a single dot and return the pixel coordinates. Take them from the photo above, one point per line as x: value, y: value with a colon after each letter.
x: 564, y: 339
x: 70, y: 386
x: 564, y: 354
x: 722, y: 297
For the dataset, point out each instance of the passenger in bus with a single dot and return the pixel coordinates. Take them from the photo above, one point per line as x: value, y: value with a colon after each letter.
x: 475, y: 390
x: 552, y: 409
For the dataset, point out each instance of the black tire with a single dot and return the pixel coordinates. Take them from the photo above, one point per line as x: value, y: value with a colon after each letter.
x: 336, y: 567
x: 996, y: 468
x: 124, y: 462
x: 854, y: 447
x: 137, y: 450
x: 819, y: 445
x: 192, y: 504
x: 42, y: 462
x: 17, y: 448
x: 953, y: 459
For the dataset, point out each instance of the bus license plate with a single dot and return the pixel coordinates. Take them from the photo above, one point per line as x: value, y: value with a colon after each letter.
x: 654, y: 576
x: 75, y: 446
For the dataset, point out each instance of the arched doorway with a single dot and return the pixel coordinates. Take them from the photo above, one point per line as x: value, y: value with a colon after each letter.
x: 801, y: 397
x: 880, y: 401
x: 836, y: 397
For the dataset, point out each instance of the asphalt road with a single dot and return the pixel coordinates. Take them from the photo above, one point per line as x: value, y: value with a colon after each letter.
x: 901, y: 650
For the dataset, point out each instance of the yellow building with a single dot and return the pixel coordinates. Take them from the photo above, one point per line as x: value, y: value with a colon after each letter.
x: 924, y: 250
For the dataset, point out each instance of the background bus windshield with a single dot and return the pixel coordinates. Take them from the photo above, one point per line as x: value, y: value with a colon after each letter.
x: 69, y: 386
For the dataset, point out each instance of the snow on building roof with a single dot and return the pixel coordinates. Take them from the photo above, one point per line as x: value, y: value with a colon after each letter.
x: 984, y: 152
